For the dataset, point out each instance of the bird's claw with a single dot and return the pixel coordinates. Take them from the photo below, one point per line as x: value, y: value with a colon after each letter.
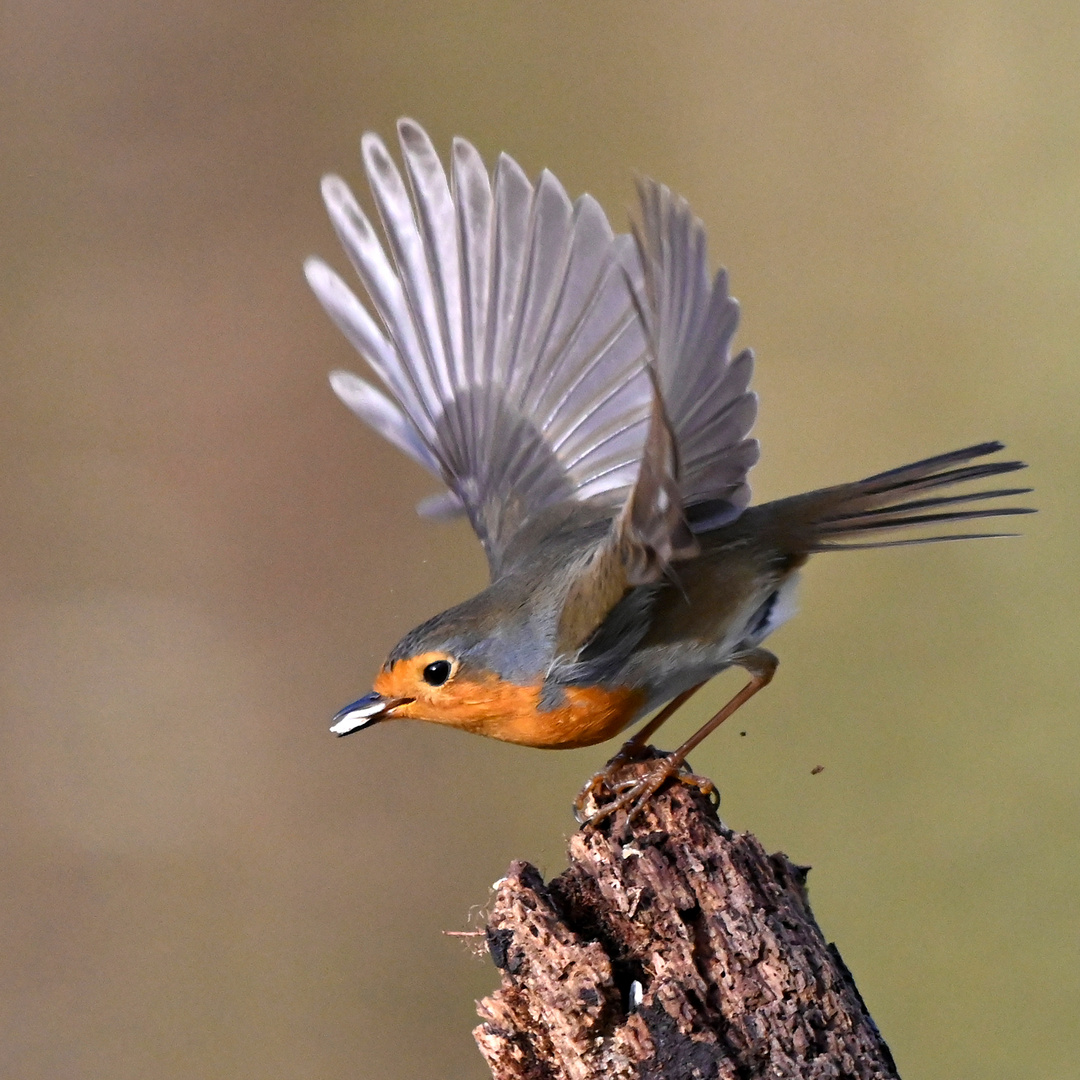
x: 628, y: 753
x: 635, y: 792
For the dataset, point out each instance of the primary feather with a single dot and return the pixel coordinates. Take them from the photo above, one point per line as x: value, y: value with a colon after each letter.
x: 508, y: 343
x: 509, y: 329
x: 691, y: 322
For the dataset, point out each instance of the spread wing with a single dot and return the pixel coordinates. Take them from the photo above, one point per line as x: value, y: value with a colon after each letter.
x: 503, y: 331
x: 698, y: 450
x: 690, y: 320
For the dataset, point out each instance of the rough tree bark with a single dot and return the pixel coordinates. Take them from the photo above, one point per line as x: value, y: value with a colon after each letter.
x: 674, y: 949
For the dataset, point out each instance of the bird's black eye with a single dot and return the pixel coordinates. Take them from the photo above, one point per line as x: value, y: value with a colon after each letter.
x: 437, y: 672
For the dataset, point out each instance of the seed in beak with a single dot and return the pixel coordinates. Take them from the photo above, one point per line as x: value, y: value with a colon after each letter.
x: 363, y: 713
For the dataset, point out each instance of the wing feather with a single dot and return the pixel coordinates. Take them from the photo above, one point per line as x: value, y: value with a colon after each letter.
x: 418, y: 319
x: 502, y: 328
x: 691, y: 322
x: 436, y: 214
x: 374, y: 407
x: 550, y: 239
x: 358, y: 326
x: 475, y: 209
x: 513, y: 352
x: 358, y: 238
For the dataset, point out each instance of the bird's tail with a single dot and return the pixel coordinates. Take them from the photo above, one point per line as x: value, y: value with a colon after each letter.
x: 839, y: 518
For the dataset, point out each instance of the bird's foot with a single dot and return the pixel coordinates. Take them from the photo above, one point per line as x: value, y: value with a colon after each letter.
x: 632, y: 793
x: 629, y: 752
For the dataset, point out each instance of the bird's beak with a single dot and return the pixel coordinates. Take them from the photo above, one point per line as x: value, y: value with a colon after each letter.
x: 370, y: 709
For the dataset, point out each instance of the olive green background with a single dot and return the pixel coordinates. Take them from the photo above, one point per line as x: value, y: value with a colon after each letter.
x: 203, y: 555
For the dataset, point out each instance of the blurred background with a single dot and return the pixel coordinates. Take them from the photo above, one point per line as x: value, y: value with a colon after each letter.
x: 203, y: 555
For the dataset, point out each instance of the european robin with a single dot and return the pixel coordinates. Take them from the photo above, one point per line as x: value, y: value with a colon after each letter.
x: 576, y: 392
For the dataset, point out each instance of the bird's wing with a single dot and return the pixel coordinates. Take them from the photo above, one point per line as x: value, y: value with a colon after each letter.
x: 690, y: 321
x: 649, y: 534
x: 698, y: 451
x: 503, y: 332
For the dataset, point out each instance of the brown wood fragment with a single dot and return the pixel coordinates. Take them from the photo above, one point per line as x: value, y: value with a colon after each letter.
x: 673, y: 950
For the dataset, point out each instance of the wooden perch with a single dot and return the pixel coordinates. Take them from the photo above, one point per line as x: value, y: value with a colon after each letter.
x: 674, y: 949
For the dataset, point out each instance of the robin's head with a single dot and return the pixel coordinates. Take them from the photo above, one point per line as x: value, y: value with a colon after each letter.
x: 418, y: 687
x: 471, y: 667
x: 483, y: 666
x: 439, y: 687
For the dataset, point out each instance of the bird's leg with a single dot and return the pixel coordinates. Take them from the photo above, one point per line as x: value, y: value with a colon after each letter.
x: 630, y: 750
x: 761, y: 664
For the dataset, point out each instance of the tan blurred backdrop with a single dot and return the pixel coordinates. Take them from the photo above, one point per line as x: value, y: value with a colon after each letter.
x: 204, y: 555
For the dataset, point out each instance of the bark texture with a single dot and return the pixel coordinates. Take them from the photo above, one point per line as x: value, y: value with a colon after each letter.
x: 673, y: 950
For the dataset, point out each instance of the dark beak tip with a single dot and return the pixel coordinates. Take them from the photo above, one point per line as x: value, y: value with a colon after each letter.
x: 370, y: 709
x: 367, y: 710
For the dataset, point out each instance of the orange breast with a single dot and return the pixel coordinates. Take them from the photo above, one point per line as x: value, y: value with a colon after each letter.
x: 587, y: 715
x: 502, y: 710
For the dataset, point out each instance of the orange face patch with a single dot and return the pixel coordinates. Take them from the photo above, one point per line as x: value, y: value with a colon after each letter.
x: 488, y: 705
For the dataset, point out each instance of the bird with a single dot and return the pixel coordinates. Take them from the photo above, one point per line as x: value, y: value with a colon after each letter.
x: 577, y: 393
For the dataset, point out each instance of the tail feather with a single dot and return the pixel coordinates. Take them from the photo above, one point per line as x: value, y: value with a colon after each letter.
x: 926, y: 482
x: 911, y: 541
x: 935, y: 463
x: 882, y: 503
x: 941, y: 500
x: 900, y: 521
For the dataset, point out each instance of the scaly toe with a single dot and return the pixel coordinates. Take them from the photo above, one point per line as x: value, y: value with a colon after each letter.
x: 634, y: 793
x: 628, y: 754
x: 645, y: 791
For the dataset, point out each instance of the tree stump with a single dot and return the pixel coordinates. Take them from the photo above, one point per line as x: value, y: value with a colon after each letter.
x: 672, y: 949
